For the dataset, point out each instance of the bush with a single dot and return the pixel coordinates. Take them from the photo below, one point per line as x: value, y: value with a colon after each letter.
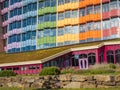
x: 68, y: 71
x: 7, y: 73
x: 50, y: 71
x: 112, y: 66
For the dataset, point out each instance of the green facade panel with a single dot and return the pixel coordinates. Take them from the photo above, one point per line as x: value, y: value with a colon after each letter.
x: 46, y: 40
x: 47, y: 10
x: 46, y: 25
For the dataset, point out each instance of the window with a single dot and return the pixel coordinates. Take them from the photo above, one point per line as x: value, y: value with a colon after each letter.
x: 114, y: 22
x: 53, y: 3
x: 105, y: 7
x: 75, y: 29
x: 117, y: 56
x: 67, y: 30
x: 75, y: 60
x: 97, y: 26
x: 60, y: 16
x: 60, y: 32
x: 82, y: 12
x: 97, y: 9
x: 106, y: 24
x: 41, y: 5
x: 110, y: 56
x: 47, y: 3
x: 74, y: 0
x: 40, y: 19
x: 113, y: 5
x: 91, y: 58
x: 67, y: 14
x: 60, y: 2
x: 89, y: 10
x: 53, y: 17
x: 47, y: 18
x: 67, y: 1
x: 90, y: 26
x: 82, y: 28
x: 82, y: 56
x: 75, y: 14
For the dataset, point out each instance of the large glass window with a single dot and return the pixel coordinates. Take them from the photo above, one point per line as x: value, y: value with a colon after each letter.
x: 117, y: 56
x: 115, y: 22
x: 105, y: 7
x: 60, y: 31
x: 75, y: 29
x: 113, y: 5
x: 75, y: 14
x: 82, y: 28
x: 89, y: 10
x: 106, y: 24
x: 67, y: 14
x: 97, y: 9
x: 82, y: 12
x: 67, y: 30
x: 75, y: 60
x: 97, y: 26
x: 41, y: 5
x: 60, y: 2
x: 91, y: 58
x: 90, y: 26
x: 110, y: 57
x: 60, y: 16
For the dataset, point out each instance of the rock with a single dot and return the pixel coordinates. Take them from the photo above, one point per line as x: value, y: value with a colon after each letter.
x: 79, y: 78
x: 104, y: 78
x: 65, y: 77
x: 109, y: 83
x: 87, y: 85
x: 73, y: 85
x: 117, y: 78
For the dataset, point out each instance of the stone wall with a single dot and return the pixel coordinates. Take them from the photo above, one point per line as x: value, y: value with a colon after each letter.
x: 61, y: 81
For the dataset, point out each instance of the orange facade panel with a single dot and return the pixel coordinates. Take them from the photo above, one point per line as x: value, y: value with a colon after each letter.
x: 97, y: 17
x: 60, y: 8
x: 75, y: 21
x: 88, y: 2
x: 60, y: 23
x: 74, y: 5
x: 90, y: 17
x: 82, y: 36
x: 97, y: 34
x: 82, y: 19
x: 96, y: 2
x: 82, y: 4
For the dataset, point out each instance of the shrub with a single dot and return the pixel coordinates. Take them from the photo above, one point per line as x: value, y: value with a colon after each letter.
x: 7, y: 73
x: 68, y: 71
x: 112, y: 66
x: 50, y: 71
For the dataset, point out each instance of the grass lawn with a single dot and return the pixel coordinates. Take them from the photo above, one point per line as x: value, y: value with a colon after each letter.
x: 6, y: 88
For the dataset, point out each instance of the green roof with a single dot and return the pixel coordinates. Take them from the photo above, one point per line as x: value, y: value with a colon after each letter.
x: 41, y: 54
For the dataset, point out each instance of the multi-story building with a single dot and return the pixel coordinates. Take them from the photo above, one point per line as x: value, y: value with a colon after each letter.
x: 40, y: 24
x: 1, y: 41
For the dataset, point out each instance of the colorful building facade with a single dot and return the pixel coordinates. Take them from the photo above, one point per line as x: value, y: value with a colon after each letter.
x: 39, y: 24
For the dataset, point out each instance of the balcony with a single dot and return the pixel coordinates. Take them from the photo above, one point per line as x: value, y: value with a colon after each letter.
x: 105, y: 15
x: 114, y: 30
x: 106, y: 33
x: 114, y: 13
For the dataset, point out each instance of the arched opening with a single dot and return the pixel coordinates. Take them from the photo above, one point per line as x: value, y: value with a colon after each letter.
x: 91, y: 59
x: 75, y: 60
x: 82, y: 56
x: 117, y: 56
x: 110, y: 56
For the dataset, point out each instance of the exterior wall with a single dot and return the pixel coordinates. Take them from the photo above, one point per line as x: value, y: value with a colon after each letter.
x: 54, y: 23
x: 72, y: 59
